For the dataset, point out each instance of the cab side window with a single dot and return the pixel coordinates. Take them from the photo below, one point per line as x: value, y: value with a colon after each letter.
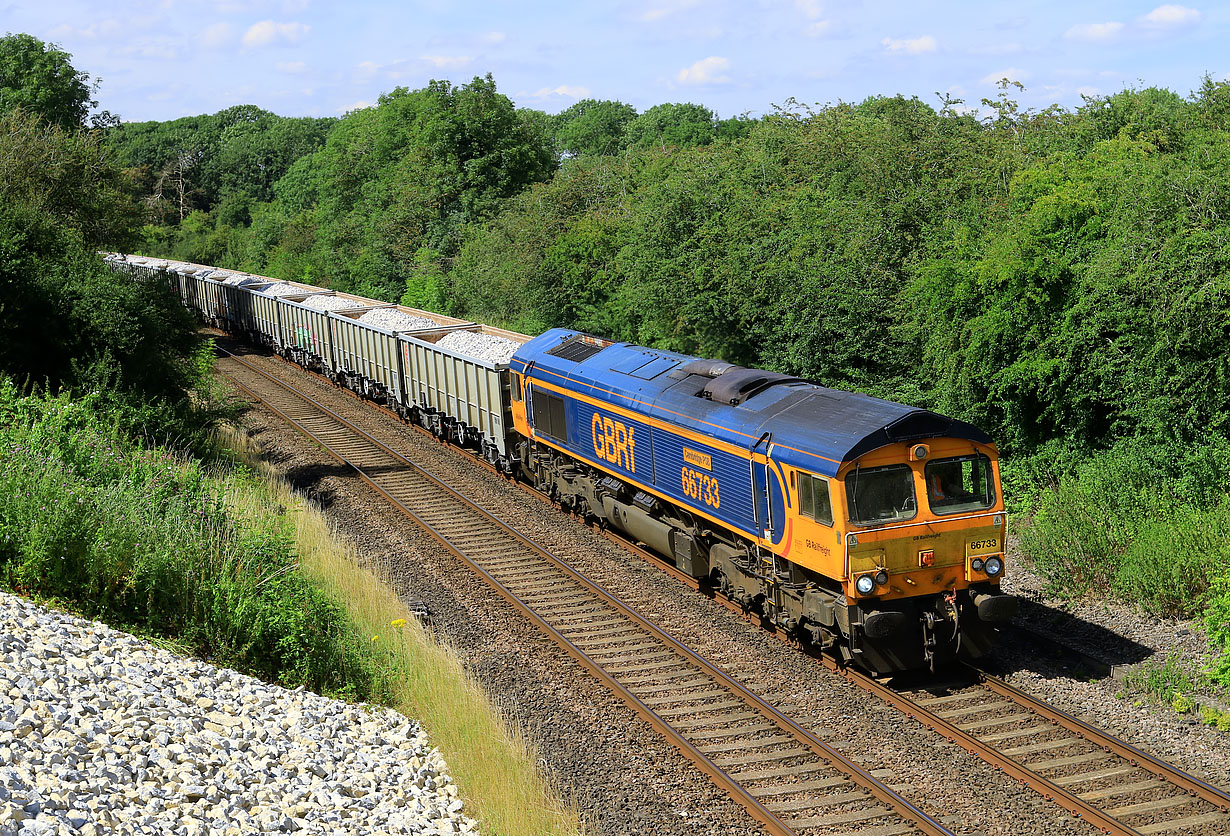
x: 814, y: 501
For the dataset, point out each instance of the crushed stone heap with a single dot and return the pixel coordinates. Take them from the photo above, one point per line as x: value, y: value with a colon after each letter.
x: 479, y: 346
x: 101, y: 733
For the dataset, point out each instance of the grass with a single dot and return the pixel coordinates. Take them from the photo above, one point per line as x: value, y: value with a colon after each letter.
x: 225, y: 562
x: 1169, y: 682
x: 492, y: 763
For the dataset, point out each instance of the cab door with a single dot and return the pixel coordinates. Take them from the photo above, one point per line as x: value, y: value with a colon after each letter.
x: 519, y: 403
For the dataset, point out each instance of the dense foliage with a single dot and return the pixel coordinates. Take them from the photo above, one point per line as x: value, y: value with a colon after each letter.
x: 146, y: 539
x: 105, y: 390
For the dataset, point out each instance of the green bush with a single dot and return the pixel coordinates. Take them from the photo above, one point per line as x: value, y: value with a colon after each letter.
x: 1217, y: 621
x: 1144, y: 520
x: 143, y: 538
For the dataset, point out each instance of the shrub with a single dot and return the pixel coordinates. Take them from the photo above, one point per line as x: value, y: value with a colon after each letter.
x: 1145, y: 520
x: 141, y: 537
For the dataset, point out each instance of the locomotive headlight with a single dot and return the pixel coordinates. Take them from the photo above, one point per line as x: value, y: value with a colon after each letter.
x: 881, y: 577
x: 976, y: 564
x: 865, y: 584
x: 994, y: 566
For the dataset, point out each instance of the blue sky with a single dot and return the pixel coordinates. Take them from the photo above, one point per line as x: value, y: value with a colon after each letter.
x: 162, y: 59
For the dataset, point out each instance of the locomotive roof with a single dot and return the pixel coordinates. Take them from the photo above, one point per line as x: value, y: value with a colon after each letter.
x: 812, y: 426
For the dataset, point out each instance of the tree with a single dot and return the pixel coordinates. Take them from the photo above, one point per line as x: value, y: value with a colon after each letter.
x: 592, y: 126
x: 38, y: 77
x: 68, y: 175
x: 667, y: 125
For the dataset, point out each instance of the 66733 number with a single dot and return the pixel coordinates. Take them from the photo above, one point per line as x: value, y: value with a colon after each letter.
x: 701, y: 486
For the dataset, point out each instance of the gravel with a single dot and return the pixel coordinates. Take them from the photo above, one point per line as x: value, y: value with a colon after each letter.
x: 283, y: 289
x: 329, y: 303
x: 480, y: 346
x: 395, y: 320
x: 1123, y: 637
x: 103, y: 733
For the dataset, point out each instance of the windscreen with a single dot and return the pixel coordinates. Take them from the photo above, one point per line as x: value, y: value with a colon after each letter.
x: 964, y: 483
x: 879, y: 495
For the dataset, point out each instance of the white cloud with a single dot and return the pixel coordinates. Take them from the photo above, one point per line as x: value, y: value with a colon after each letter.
x: 1171, y: 16
x: 911, y: 46
x: 818, y: 28
x: 293, y: 7
x: 446, y: 62
x: 217, y: 35
x: 810, y: 8
x: 267, y: 32
x: 292, y: 66
x: 369, y: 67
x: 1086, y: 90
x: 105, y: 29
x: 569, y: 90
x: 1094, y: 31
x: 494, y: 38
x: 1012, y: 74
x: 706, y: 71
x: 359, y: 105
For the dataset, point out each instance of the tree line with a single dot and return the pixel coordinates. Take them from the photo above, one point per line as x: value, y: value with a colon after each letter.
x: 1057, y: 276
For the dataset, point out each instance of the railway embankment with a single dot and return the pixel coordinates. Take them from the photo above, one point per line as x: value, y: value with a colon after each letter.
x: 104, y: 733
x: 219, y: 564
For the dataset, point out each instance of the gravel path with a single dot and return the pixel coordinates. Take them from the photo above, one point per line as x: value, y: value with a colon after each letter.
x: 103, y: 733
x: 620, y: 775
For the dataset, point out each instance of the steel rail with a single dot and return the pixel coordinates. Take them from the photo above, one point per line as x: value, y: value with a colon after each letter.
x: 1137, y: 757
x: 898, y: 804
x: 1070, y: 802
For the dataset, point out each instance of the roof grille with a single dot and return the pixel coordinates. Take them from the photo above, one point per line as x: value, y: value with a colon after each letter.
x: 577, y: 348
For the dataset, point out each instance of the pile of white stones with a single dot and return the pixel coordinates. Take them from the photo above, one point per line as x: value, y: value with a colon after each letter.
x: 329, y: 303
x: 480, y: 346
x: 396, y: 320
x: 283, y: 289
x: 103, y: 733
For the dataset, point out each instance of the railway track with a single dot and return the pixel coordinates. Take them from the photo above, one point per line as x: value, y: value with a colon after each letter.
x: 784, y: 776
x: 1112, y: 784
x: 787, y: 779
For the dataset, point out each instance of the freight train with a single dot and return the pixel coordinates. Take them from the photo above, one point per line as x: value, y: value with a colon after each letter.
x: 865, y: 527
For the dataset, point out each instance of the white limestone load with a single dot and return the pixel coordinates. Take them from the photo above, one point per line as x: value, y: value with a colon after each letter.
x: 283, y: 289
x: 329, y: 303
x: 486, y: 347
x: 396, y: 320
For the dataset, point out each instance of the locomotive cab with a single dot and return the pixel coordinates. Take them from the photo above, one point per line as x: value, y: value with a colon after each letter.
x: 923, y: 553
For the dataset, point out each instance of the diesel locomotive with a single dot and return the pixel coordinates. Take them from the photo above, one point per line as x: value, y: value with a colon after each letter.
x: 866, y: 527
x: 854, y: 523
